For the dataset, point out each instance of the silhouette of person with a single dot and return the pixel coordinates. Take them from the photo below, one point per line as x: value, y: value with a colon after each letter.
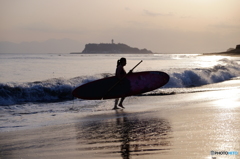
x: 120, y: 74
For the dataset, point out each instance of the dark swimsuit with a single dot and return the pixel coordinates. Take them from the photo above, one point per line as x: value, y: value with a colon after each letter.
x: 122, y: 72
x: 124, y: 85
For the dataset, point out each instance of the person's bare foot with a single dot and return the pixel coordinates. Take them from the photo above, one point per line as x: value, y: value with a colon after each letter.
x: 120, y: 105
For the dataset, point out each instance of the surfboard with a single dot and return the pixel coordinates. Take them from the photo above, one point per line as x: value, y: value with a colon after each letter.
x: 132, y: 84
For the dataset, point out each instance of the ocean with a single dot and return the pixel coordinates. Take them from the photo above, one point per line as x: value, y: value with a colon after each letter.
x: 35, y: 93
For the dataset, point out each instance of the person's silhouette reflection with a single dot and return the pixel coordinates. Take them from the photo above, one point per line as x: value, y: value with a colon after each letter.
x: 124, y: 129
x: 123, y: 133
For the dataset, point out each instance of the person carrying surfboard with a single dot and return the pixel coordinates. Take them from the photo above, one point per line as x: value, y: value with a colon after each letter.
x: 122, y: 84
x: 120, y: 74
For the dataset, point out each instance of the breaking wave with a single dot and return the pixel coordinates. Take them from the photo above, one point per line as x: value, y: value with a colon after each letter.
x: 52, y: 90
x: 181, y: 78
x: 59, y: 89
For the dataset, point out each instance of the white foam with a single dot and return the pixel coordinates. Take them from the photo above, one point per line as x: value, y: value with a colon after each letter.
x: 225, y: 70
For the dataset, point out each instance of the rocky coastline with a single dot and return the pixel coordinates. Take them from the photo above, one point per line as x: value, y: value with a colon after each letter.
x: 112, y: 48
x: 229, y: 52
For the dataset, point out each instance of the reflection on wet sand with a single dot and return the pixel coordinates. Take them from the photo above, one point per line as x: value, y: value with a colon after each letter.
x: 124, y: 134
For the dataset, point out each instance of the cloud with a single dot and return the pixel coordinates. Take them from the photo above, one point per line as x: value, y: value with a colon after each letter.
x: 186, y: 17
x: 127, y: 9
x: 49, y: 46
x: 225, y: 26
x: 171, y: 40
x: 50, y: 29
x: 153, y: 14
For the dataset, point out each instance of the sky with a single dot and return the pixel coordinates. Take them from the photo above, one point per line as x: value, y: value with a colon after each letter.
x: 163, y: 26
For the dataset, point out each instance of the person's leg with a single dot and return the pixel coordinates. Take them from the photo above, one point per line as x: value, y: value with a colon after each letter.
x: 121, y: 102
x: 116, y: 102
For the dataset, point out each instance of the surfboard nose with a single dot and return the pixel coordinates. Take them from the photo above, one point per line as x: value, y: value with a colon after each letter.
x: 166, y: 77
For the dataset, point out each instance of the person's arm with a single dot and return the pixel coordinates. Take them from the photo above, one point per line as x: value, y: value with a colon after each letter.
x: 120, y: 73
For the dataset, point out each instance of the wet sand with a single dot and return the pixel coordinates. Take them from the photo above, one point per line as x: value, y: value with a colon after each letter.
x: 181, y: 126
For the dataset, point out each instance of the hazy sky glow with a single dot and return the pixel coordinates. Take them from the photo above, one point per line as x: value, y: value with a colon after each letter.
x: 158, y: 25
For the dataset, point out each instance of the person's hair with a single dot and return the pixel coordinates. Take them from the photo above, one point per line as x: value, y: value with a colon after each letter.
x: 121, y: 61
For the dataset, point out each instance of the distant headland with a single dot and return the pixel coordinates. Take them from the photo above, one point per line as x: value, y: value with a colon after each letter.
x: 112, y: 48
x: 229, y: 52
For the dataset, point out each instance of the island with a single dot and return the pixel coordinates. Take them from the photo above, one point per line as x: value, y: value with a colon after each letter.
x: 229, y: 52
x: 112, y: 48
